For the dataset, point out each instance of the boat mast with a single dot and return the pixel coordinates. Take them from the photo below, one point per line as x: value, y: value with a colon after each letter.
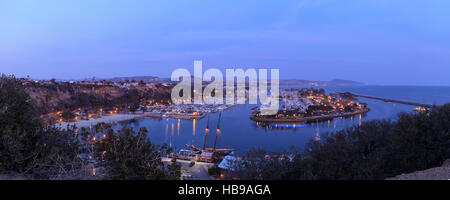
x: 217, y: 131
x: 206, y: 135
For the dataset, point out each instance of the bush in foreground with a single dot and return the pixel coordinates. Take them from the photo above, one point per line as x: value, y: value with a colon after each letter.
x: 26, y: 146
x: 128, y: 155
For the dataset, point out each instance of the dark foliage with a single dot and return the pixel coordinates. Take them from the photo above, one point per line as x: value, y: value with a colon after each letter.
x: 27, y: 147
x: 214, y: 171
x: 260, y: 165
x: 128, y: 155
x: 67, y: 115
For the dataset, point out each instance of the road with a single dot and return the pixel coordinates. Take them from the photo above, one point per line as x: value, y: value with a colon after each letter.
x: 197, y: 172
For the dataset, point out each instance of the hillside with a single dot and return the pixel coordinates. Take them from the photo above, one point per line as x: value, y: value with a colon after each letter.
x: 335, y: 82
x: 62, y: 95
x: 287, y: 82
x: 146, y: 79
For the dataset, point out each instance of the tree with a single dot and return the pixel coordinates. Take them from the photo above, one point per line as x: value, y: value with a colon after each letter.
x: 127, y: 155
x: 67, y: 115
x: 258, y: 164
x: 214, y: 171
x: 141, y: 83
x: 26, y: 146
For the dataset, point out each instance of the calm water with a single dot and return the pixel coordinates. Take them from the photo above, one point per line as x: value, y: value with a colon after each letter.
x: 240, y: 133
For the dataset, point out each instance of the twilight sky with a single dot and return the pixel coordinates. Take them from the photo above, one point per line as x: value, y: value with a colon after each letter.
x: 387, y: 42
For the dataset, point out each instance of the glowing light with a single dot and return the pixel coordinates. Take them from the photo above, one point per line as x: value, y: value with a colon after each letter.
x: 193, y: 127
x: 172, y: 129
x: 178, y: 127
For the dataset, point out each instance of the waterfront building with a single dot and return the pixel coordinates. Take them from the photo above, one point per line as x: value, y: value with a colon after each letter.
x: 206, y: 156
x: 226, y: 167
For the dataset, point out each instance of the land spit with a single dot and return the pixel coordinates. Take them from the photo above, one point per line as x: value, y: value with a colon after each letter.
x: 124, y: 117
x: 308, y: 119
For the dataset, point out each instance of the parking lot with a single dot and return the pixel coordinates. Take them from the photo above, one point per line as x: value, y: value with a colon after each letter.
x: 197, y: 172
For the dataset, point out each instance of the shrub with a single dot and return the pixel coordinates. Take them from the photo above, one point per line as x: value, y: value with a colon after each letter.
x: 67, y: 115
x: 26, y: 146
x: 214, y: 171
x: 128, y: 155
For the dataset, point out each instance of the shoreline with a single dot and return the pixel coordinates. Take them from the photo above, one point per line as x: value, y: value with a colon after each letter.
x: 183, y: 116
x: 306, y: 119
x: 104, y: 119
x: 124, y: 117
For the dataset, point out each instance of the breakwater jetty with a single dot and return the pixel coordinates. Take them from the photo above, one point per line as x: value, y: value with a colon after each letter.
x: 394, y: 101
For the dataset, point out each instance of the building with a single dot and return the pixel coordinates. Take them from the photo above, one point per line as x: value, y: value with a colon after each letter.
x: 206, y: 156
x: 227, y: 167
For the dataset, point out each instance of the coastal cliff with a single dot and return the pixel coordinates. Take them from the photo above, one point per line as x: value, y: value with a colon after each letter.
x: 59, y: 96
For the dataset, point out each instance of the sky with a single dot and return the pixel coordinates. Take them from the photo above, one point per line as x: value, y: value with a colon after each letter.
x: 383, y: 42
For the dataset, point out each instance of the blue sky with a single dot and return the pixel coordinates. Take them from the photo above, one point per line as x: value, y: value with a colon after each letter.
x: 392, y: 42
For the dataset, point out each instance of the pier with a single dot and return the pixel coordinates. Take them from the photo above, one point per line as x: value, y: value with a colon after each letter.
x: 394, y: 101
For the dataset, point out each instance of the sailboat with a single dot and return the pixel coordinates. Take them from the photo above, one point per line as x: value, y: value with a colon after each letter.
x: 217, y: 131
x: 205, y: 143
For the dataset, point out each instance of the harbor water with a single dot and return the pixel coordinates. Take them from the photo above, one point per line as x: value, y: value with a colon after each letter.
x: 240, y: 133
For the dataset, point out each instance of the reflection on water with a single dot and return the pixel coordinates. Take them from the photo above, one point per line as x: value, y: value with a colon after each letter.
x: 193, y: 127
x: 360, y: 119
x: 237, y: 131
x: 178, y: 127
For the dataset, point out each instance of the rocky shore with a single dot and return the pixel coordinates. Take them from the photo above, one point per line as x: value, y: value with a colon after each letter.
x: 437, y: 173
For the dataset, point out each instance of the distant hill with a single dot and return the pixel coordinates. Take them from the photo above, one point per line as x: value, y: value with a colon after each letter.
x: 147, y: 79
x: 341, y: 82
x: 288, y: 82
x: 335, y: 82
